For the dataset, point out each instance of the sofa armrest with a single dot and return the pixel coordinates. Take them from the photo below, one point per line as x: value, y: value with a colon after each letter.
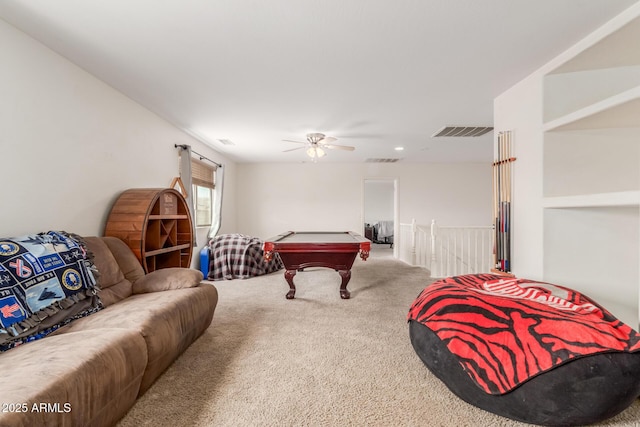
x: 167, y: 279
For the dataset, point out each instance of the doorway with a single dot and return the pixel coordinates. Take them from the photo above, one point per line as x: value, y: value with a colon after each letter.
x: 380, y: 214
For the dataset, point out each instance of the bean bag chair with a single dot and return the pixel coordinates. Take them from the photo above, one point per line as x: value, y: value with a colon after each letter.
x: 530, y: 351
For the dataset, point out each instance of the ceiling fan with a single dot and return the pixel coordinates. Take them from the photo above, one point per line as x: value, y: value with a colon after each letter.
x: 317, y: 143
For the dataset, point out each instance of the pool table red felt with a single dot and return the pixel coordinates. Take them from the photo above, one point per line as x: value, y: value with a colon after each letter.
x: 303, y: 249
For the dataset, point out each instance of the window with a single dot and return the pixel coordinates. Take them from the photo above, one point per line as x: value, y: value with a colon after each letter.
x: 202, y: 177
x: 203, y: 201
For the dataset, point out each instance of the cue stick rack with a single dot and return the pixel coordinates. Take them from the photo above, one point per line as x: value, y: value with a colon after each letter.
x: 502, y: 206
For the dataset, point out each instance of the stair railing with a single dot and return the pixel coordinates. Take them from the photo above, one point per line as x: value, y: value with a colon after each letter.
x: 447, y: 250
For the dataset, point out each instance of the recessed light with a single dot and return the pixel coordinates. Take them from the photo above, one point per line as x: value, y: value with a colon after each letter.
x: 399, y: 148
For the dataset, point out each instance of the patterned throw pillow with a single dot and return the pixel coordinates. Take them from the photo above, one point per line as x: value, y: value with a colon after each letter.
x: 46, y: 281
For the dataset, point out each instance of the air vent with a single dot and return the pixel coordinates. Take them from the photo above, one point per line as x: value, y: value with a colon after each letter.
x: 462, y: 131
x: 381, y: 160
x: 226, y: 142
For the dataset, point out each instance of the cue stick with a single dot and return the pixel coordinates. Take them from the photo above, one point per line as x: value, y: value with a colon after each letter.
x: 497, y: 202
x: 505, y: 206
x: 507, y: 232
x: 511, y: 159
x: 500, y: 205
x: 508, y: 200
x: 499, y: 266
x: 510, y: 195
x: 494, y: 184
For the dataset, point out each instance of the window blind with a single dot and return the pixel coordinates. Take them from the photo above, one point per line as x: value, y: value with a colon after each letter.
x: 202, y: 174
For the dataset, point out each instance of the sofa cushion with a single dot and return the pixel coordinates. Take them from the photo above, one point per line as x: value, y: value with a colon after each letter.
x: 86, y: 379
x: 129, y: 264
x: 167, y: 279
x: 114, y: 286
x: 46, y: 281
x: 169, y: 321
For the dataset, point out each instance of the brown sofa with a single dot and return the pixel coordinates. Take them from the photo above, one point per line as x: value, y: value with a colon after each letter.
x: 90, y: 372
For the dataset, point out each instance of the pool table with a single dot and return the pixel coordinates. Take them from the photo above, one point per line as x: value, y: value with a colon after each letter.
x: 336, y: 250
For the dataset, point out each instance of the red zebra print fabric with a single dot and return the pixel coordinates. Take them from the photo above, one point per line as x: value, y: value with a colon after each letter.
x: 505, y: 331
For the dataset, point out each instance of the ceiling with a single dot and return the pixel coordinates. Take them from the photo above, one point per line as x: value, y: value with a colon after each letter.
x: 375, y: 74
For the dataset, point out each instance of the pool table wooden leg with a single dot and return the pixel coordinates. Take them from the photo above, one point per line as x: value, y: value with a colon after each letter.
x: 346, y: 276
x: 288, y: 275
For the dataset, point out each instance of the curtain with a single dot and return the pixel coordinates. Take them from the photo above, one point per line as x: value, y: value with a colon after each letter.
x: 187, y: 181
x: 216, y: 212
x: 185, y: 177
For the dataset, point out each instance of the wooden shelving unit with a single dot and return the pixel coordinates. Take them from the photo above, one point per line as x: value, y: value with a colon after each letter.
x: 156, y: 224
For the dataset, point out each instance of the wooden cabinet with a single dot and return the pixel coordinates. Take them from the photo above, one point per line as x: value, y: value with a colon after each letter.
x: 156, y: 224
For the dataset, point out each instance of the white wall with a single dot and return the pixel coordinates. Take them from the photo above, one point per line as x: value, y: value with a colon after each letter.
x: 378, y: 201
x: 580, y: 254
x: 70, y: 144
x: 520, y: 110
x: 273, y: 198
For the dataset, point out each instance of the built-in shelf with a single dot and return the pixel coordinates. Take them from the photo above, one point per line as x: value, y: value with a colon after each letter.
x: 619, y: 198
x: 591, y: 168
x: 610, y: 50
x: 621, y: 110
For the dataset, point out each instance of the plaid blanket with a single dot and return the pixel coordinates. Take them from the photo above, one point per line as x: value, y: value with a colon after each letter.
x: 236, y: 256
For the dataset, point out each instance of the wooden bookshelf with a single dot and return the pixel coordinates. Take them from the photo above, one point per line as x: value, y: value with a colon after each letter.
x: 156, y: 224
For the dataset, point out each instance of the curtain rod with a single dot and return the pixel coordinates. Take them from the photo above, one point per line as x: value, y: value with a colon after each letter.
x: 184, y: 147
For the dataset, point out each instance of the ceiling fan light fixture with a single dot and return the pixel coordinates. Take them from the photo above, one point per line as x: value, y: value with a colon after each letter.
x: 314, y: 138
x: 315, y: 152
x: 317, y: 144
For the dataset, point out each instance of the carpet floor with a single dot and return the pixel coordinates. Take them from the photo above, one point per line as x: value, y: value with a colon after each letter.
x: 316, y: 360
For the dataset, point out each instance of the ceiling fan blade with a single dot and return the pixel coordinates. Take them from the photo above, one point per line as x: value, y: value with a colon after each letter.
x: 327, y: 139
x: 297, y: 142
x: 293, y: 149
x: 339, y: 147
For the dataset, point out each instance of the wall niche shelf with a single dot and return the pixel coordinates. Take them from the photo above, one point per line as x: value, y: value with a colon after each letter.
x: 621, y: 110
x: 156, y: 224
x: 619, y: 198
x: 591, y: 171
